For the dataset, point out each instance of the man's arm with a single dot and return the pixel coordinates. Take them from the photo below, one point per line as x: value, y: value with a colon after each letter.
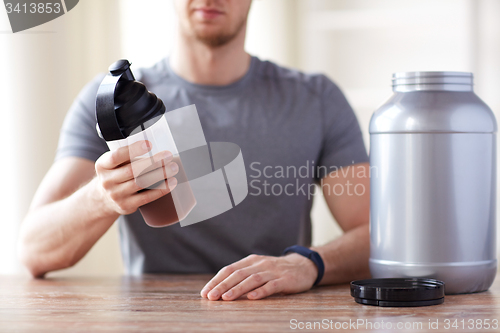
x: 78, y: 201
x: 345, y: 258
x: 62, y: 223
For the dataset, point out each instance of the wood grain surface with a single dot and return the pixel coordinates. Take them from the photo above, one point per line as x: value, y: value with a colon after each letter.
x: 171, y: 303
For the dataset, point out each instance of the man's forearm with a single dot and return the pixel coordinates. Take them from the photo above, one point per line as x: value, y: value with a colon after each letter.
x: 346, y: 258
x: 58, y: 234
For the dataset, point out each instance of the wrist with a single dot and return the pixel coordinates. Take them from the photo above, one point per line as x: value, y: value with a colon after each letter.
x: 306, y: 265
x: 310, y: 255
x: 94, y: 195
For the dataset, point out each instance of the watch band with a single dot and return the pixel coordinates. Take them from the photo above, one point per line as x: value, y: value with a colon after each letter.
x: 310, y: 254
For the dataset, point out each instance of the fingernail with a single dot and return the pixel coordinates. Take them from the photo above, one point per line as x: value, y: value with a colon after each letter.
x: 214, y: 294
x: 164, y: 157
x: 252, y: 294
x: 146, y: 145
x: 174, y: 167
x: 172, y: 182
x: 167, y: 155
x: 228, y: 294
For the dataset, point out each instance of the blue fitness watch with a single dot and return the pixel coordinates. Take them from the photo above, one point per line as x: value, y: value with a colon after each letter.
x: 310, y: 254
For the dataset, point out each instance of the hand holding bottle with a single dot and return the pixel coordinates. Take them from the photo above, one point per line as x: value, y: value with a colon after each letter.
x: 121, y: 184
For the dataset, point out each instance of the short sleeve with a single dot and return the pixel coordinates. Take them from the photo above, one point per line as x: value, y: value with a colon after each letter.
x: 342, y: 139
x: 78, y: 136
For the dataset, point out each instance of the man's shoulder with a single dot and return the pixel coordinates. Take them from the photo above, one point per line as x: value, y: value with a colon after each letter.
x: 87, y: 95
x: 315, y: 83
x: 154, y: 74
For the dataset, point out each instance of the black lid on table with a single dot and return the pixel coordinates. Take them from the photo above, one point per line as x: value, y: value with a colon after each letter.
x: 396, y: 292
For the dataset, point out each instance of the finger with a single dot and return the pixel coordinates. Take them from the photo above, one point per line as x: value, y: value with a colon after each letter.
x: 232, y: 280
x: 144, y: 165
x: 143, y: 198
x: 155, y: 178
x: 127, y: 172
x: 268, y: 289
x: 253, y: 281
x: 130, y: 188
x: 228, y: 270
x: 124, y: 154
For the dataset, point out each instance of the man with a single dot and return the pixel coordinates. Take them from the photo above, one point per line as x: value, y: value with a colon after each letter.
x: 281, y: 119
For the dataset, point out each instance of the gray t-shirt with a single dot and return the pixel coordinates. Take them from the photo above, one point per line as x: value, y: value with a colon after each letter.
x: 286, y: 123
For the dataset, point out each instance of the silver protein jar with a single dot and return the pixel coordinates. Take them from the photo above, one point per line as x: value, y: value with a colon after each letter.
x: 433, y: 183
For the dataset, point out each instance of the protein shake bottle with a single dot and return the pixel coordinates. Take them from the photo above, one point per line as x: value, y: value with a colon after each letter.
x: 127, y: 112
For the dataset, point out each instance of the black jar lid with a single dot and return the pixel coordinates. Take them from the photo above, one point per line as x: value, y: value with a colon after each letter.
x: 398, y: 292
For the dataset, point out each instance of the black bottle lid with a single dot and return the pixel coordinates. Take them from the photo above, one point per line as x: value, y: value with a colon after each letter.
x: 119, y: 67
x: 124, y: 104
x: 398, y: 292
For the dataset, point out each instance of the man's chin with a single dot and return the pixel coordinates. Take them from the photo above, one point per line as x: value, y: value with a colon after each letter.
x: 214, y: 40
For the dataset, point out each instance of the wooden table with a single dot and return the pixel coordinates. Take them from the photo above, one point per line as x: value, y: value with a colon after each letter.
x: 160, y: 303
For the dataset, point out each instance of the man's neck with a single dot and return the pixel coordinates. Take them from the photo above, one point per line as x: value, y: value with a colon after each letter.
x: 199, y: 63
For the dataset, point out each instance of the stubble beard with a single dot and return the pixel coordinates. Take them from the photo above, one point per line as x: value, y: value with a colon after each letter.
x: 219, y: 39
